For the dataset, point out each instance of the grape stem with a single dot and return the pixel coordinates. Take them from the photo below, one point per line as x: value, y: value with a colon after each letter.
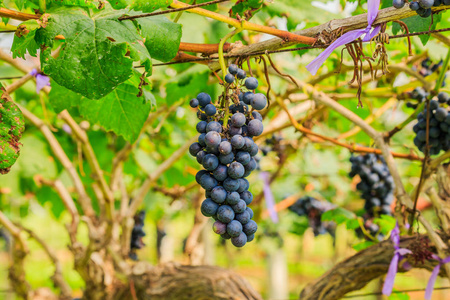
x: 221, y: 58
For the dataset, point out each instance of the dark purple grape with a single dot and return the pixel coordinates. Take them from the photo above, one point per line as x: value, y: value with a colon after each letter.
x: 434, y: 104
x: 250, y: 228
x: 244, y: 217
x: 254, y: 150
x: 251, y: 83
x: 257, y: 115
x: 443, y: 96
x: 250, y: 212
x: 250, y: 238
x: 233, y: 69
x: 194, y: 103
x: 229, y: 78
x: 241, y: 74
x: 233, y: 198
x: 243, y: 157
x: 425, y: 3
x: 237, y: 141
x: 210, y: 162
x: 243, y: 185
x: 203, y: 99
x: 398, y: 3
x: 225, y: 148
x: 214, y: 126
x: 225, y: 213
x: 235, y: 170
x: 221, y: 173
x: 200, y: 156
x: 201, y: 126
x: 231, y: 185
x: 240, y: 240
x: 248, y: 96
x: 255, y: 127
x: 235, y: 131
x: 424, y: 13
x: 226, y: 159
x: 209, y: 207
x: 219, y: 227
x: 238, y: 120
x: 199, y: 175
x: 213, y: 139
x: 247, y: 196
x: 441, y: 114
x: 210, y: 110
x: 195, y: 148
x: 218, y: 194
x: 201, y: 139
x: 259, y: 101
x: 414, y: 6
x: 234, y: 228
x: 252, y: 165
x: 239, y: 207
x: 208, y: 182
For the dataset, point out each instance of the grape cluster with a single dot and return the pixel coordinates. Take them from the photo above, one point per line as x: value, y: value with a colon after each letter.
x: 313, y: 209
x: 421, y: 7
x: 137, y: 234
x: 439, y: 129
x: 226, y: 150
x: 376, y: 185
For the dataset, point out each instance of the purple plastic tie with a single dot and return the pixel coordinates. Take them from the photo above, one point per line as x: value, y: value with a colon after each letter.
x: 398, y: 255
x: 372, y: 12
x: 41, y: 80
x: 270, y: 201
x: 434, y: 274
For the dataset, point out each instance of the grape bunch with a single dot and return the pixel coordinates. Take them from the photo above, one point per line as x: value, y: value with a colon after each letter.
x: 439, y: 126
x: 226, y: 150
x: 313, y: 209
x: 137, y: 234
x: 421, y: 7
x: 376, y: 185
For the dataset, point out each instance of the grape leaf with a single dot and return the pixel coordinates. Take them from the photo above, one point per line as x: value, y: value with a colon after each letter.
x: 419, y: 24
x: 162, y: 37
x: 25, y: 42
x: 120, y: 111
x: 19, y: 4
x: 140, y: 5
x: 98, y: 52
x: 81, y: 3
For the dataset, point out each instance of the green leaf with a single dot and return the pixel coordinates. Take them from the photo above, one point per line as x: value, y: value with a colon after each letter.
x: 419, y: 24
x: 141, y: 5
x: 386, y: 223
x: 94, y: 58
x: 120, y: 111
x: 338, y: 215
x: 19, y: 4
x: 26, y: 42
x: 363, y: 245
x: 80, y: 3
x: 399, y: 296
x: 162, y: 37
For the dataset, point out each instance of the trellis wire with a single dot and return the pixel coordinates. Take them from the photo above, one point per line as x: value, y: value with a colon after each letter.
x: 171, y: 10
x: 265, y: 52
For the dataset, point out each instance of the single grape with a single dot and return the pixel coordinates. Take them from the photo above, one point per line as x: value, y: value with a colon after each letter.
x: 209, y: 207
x: 201, y: 126
x: 235, y: 170
x: 252, y: 165
x: 234, y: 228
x: 229, y: 78
x: 210, y: 162
x: 243, y: 185
x: 259, y: 101
x: 257, y: 115
x: 239, y: 207
x: 233, y: 198
x: 424, y: 13
x: 221, y: 173
x: 208, y: 182
x: 414, y: 6
x: 212, y: 139
x: 235, y: 131
x: 210, y: 110
x: 201, y: 139
x: 238, y: 119
x: 255, y: 127
x: 219, y: 227
x: 250, y: 228
x: 218, y: 194
x: 226, y: 159
x: 231, y: 185
x: 233, y: 69
x: 425, y: 3
x: 434, y: 104
x: 214, y: 126
x: 398, y: 3
x: 195, y: 148
x: 251, y: 83
x: 244, y: 217
x: 442, y: 96
x: 441, y: 114
x: 225, y: 148
x: 247, y: 196
x: 240, y: 240
x: 250, y: 238
x: 225, y: 213
x: 200, y: 156
x: 254, y: 150
x: 203, y: 99
x: 243, y: 157
x: 199, y: 175
x: 194, y: 103
x: 248, y: 96
x: 241, y: 74
x: 237, y: 141
x: 250, y: 212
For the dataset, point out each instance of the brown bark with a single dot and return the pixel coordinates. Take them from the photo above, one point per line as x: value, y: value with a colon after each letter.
x: 355, y: 272
x: 179, y: 282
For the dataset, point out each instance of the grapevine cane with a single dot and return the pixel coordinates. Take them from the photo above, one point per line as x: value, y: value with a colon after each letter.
x: 349, y: 37
x: 398, y: 255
